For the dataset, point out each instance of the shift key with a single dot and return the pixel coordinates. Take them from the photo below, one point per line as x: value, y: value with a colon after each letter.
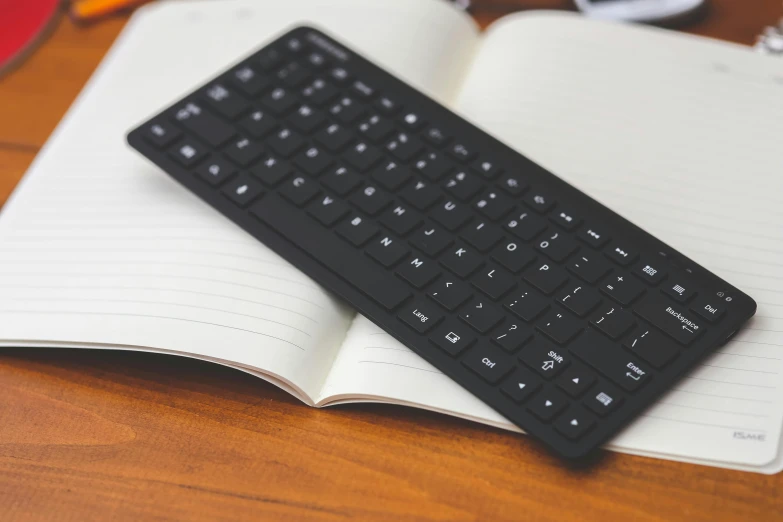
x: 675, y: 321
x: 611, y: 360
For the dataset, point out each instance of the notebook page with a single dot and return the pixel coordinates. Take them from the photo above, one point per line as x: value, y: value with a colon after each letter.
x: 691, y: 123
x: 99, y: 248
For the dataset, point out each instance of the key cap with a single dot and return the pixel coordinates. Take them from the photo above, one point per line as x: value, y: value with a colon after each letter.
x: 565, y: 219
x: 494, y: 205
x: 307, y: 119
x: 488, y: 362
x: 527, y: 304
x: 391, y: 175
x: 513, y: 184
x: 622, y: 288
x: 546, y: 278
x: 404, y: 146
x: 589, y: 266
x: 621, y: 254
x: 400, y: 219
x: 603, y: 399
x: 340, y: 75
x: 575, y: 380
x: 678, y: 290
x: 258, y: 124
x: 574, y: 423
x: 161, y: 134
x: 430, y: 239
x: 418, y: 272
x: 487, y: 168
x: 341, y: 259
x: 548, y: 403
x: 544, y: 357
x: 285, y: 142
x: 481, y: 315
x: 436, y: 136
x: 461, y: 260
x: 244, y: 152
x: 214, y: 131
x: 347, y: 110
x: 269, y: 59
x: 651, y: 274
x: 342, y: 180
x: 334, y: 137
x: 387, y: 251
x: 225, y: 101
x: 559, y: 326
x: 556, y: 245
x: 188, y: 152
x: 421, y: 194
x: 520, y: 385
x: 412, y: 120
x: 362, y: 89
x: 539, y: 201
x: 512, y: 336
x: 449, y: 293
x: 271, y: 171
x: 279, y: 101
x: 513, y: 255
x: 463, y: 185
x: 387, y: 105
x: 593, y: 237
x: 215, y: 171
x: 243, y: 190
x: 356, y: 230
x: 481, y: 235
x: 433, y: 166
x: 709, y: 308
x: 652, y: 346
x: 299, y: 191
x: 452, y: 337
x: 293, y: 74
x: 494, y: 282
x: 451, y: 215
x: 671, y: 319
x: 376, y: 129
x: 328, y: 211
x: 362, y: 155
x: 371, y: 200
x: 313, y: 161
x: 613, y: 322
x: 579, y: 299
x: 625, y: 370
x: 421, y: 316
x: 249, y: 81
x: 525, y: 225
x: 319, y: 92
x: 461, y: 152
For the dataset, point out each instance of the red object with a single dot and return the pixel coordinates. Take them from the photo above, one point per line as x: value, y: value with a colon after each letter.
x: 22, y: 23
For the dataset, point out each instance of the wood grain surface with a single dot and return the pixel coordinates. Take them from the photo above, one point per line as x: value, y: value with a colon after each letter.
x: 126, y: 436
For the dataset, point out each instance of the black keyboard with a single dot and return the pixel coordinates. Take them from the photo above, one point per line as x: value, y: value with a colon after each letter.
x: 555, y: 311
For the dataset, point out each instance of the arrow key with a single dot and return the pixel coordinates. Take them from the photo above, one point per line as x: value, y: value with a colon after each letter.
x: 521, y: 385
x: 548, y: 403
x: 574, y: 423
x: 576, y: 380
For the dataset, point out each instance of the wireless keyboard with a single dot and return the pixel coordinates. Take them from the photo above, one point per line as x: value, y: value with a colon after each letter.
x: 555, y: 311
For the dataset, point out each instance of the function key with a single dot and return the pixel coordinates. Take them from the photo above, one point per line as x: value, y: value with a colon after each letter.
x: 593, y: 237
x: 161, y: 134
x: 489, y: 363
x: 435, y: 136
x: 362, y: 89
x: 512, y: 184
x: 462, y: 152
x: 412, y: 121
x: 611, y: 360
x: 574, y: 423
x: 386, y: 105
x: 339, y: 75
x: 621, y: 254
x: 678, y: 290
x: 544, y: 357
x: 293, y: 74
x: 575, y: 380
x: 243, y: 190
x: 652, y: 274
x: 622, y: 288
x: 215, y: 171
x: 652, y: 346
x: 188, y: 152
x: 452, y: 337
x: 421, y: 316
x: 603, y: 399
x: 565, y: 219
x: 521, y: 385
x: 247, y: 80
x: 548, y: 403
x: 539, y: 201
x: 225, y: 102
x: 709, y: 308
x: 487, y: 168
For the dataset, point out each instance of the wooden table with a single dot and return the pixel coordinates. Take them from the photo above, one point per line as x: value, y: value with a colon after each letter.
x: 126, y: 436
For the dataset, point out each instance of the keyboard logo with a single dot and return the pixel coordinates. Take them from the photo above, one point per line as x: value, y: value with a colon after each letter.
x: 604, y: 399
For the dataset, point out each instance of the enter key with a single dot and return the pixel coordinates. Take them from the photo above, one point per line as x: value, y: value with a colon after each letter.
x: 611, y: 360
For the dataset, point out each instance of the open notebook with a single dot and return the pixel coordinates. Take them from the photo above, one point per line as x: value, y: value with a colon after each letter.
x: 100, y: 250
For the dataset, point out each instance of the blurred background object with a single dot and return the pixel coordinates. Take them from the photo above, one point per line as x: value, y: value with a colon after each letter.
x: 771, y: 40
x: 644, y: 11
x: 24, y: 23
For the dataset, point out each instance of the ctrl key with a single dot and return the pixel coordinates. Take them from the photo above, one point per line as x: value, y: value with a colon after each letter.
x: 421, y: 316
x: 490, y: 363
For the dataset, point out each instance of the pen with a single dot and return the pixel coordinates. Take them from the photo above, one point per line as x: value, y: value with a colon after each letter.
x: 84, y: 10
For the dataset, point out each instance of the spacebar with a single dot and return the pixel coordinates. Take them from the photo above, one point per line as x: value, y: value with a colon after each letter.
x: 316, y: 241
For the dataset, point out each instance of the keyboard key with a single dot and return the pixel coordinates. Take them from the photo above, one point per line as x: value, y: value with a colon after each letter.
x: 387, y: 251
x: 279, y: 101
x: 161, y: 134
x: 622, y: 288
x: 547, y: 403
x: 225, y: 102
x: 512, y: 336
x: 418, y: 272
x: 243, y: 190
x: 613, y: 321
x: 494, y: 205
x: 269, y: 59
x: 412, y: 120
x: 481, y: 235
x: 391, y: 175
x: 513, y: 255
x: 593, y: 237
x: 579, y: 299
x: 559, y: 326
x: 513, y: 184
x: 556, y: 245
x: 651, y: 274
x: 340, y: 75
x: 527, y: 304
x: 319, y: 92
x: 709, y: 308
x: 328, y: 211
x: 463, y: 185
x: 436, y: 136
x: 461, y: 260
x: 433, y: 166
x: 249, y: 81
x: 625, y: 370
x: 285, y: 142
x: 520, y: 385
x: 293, y: 74
x: 671, y: 319
x: 421, y: 194
x: 589, y: 266
x: 603, y: 399
x: 574, y: 423
x: 272, y: 171
x: 211, y: 129
x: 188, y: 152
x: 525, y: 225
x: 430, y: 239
x: 652, y: 346
x: 375, y: 128
x: 362, y: 155
x: 421, y: 316
x: 400, y: 219
x: 539, y: 201
x: 489, y: 363
x: 404, y: 146
x: 386, y: 105
x: 299, y: 191
x: 258, y: 124
x: 481, y: 315
x: 544, y: 357
x: 546, y: 278
x: 362, y: 90
x: 487, y: 168
x: 575, y: 380
x: 494, y: 282
x: 621, y: 254
x: 679, y: 290
x: 215, y: 171
x: 370, y: 200
x: 462, y: 152
x: 450, y: 293
x: 347, y: 110
x: 451, y: 215
x: 356, y: 230
x: 565, y: 219
x: 313, y: 161
x: 334, y: 137
x: 452, y: 337
x: 306, y: 119
x: 343, y: 180
x: 244, y: 152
